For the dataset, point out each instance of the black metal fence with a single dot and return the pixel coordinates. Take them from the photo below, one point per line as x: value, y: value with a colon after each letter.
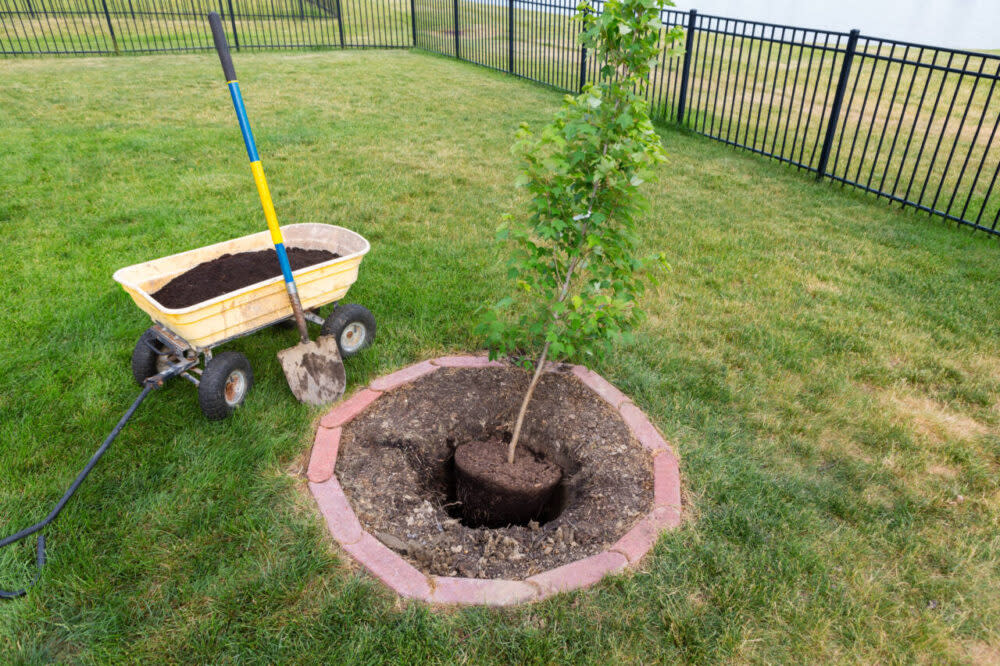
x: 94, y: 27
x: 912, y: 123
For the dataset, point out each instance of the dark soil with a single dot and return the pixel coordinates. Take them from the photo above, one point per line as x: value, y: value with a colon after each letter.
x: 396, y: 464
x: 231, y: 272
x: 495, y: 493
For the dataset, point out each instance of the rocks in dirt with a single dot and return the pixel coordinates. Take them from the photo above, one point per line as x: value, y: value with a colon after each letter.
x: 423, y: 516
x: 560, y: 541
x: 393, y: 542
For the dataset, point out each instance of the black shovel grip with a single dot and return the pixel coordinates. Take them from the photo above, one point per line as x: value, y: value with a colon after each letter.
x: 222, y: 46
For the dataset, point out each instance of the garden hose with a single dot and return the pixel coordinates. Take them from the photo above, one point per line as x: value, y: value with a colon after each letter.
x: 150, y: 384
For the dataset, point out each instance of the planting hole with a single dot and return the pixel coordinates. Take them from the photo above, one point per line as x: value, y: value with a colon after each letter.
x: 396, y: 464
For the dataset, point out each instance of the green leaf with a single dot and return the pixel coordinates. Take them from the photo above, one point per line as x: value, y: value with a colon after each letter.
x: 593, y: 156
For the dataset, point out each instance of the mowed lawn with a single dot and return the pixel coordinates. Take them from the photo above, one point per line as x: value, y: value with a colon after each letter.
x: 825, y: 366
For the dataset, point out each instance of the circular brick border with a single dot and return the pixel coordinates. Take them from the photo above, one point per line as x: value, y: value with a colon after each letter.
x: 408, y: 582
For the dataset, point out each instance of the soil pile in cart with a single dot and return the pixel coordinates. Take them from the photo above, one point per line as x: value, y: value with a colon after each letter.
x: 231, y: 272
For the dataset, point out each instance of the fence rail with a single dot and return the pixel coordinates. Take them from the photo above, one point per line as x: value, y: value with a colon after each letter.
x: 96, y: 27
x: 912, y: 123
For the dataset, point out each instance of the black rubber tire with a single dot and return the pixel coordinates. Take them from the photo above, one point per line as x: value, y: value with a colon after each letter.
x: 212, y: 391
x: 342, y: 317
x: 143, y: 358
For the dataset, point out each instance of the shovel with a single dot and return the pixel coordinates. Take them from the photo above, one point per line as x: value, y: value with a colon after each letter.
x: 314, y: 370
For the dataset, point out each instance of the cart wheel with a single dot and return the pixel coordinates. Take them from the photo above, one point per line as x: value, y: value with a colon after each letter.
x: 148, y: 357
x: 224, y: 385
x: 353, y: 326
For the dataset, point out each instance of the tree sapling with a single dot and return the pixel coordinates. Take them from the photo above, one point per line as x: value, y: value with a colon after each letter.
x: 575, y: 260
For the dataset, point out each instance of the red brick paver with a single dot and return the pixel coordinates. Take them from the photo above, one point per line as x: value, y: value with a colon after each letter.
x: 390, y: 568
x: 347, y: 410
x: 600, y: 386
x: 642, y: 537
x: 581, y: 573
x: 404, y: 376
x: 666, y: 481
x: 644, y: 431
x: 324, y: 454
x: 340, y: 518
x: 466, y: 362
x: 448, y: 590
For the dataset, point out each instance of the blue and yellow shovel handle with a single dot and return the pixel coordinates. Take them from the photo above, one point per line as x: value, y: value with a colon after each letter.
x: 222, y: 47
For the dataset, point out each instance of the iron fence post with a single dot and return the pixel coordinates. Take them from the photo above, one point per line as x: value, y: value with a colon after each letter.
x: 458, y: 53
x: 340, y: 23
x: 686, y: 68
x: 111, y: 28
x: 232, y: 23
x: 510, y: 36
x: 583, y: 63
x: 838, y: 100
x: 413, y: 20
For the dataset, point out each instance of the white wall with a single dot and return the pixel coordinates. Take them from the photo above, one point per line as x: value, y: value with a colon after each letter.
x: 962, y: 24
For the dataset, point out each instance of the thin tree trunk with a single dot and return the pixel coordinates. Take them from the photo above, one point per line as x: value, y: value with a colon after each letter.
x: 524, y: 405
x: 563, y: 292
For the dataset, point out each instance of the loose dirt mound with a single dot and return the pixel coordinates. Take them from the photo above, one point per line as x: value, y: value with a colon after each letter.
x: 231, y: 272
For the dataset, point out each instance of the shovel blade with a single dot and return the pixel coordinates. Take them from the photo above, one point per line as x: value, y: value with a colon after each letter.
x: 314, y: 370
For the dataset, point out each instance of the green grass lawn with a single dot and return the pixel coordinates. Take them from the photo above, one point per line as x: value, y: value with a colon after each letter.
x: 922, y: 133
x: 825, y: 366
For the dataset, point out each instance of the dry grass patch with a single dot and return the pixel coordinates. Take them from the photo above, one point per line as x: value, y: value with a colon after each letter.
x: 931, y: 421
x: 815, y: 286
x: 834, y: 441
x: 943, y: 471
x: 982, y: 653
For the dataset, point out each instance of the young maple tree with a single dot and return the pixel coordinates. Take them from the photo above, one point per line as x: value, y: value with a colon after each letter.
x: 574, y: 257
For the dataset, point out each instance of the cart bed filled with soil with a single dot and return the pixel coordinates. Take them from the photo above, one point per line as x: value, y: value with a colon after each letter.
x: 396, y: 465
x: 231, y: 272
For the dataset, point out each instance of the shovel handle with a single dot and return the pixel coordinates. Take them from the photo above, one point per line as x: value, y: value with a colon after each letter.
x: 222, y: 48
